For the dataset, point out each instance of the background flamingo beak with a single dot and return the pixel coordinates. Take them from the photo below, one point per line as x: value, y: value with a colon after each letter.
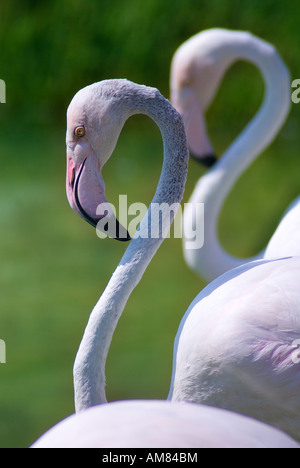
x: 198, y: 142
x: 187, y: 104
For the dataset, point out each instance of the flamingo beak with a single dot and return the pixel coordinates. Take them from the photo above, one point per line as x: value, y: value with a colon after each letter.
x: 195, y: 128
x: 200, y: 147
x: 85, y: 191
x: 207, y: 160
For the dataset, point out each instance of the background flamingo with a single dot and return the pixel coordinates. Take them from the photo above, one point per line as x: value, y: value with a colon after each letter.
x: 197, y: 69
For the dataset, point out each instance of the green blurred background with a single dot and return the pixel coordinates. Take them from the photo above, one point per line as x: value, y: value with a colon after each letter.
x: 53, y: 266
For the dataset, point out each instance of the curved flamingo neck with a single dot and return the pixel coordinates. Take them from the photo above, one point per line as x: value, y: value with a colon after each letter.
x: 213, y: 188
x: 89, y: 367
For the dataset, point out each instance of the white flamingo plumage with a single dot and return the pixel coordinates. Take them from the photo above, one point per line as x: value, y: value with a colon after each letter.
x: 96, y: 116
x: 161, y: 424
x: 197, y: 69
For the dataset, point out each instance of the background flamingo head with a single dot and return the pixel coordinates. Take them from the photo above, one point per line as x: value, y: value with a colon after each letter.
x: 197, y: 69
x: 93, y: 127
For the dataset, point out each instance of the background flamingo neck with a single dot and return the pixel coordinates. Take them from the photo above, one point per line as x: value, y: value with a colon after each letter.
x: 213, y: 188
x: 262, y: 129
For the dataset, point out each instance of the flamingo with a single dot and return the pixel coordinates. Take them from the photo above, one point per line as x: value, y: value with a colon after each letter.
x: 96, y: 116
x: 197, y: 69
x: 161, y: 424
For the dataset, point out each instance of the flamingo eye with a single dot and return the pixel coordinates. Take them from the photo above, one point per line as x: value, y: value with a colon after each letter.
x: 79, y: 131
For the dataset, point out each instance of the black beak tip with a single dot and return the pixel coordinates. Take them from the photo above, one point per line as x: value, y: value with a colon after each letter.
x: 208, y: 160
x: 124, y: 239
x: 121, y: 233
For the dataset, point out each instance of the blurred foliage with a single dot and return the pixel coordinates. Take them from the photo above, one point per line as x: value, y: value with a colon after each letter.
x: 50, y: 49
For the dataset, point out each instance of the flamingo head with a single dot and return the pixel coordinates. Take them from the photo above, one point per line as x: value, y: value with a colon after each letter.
x: 197, y: 69
x: 93, y: 127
